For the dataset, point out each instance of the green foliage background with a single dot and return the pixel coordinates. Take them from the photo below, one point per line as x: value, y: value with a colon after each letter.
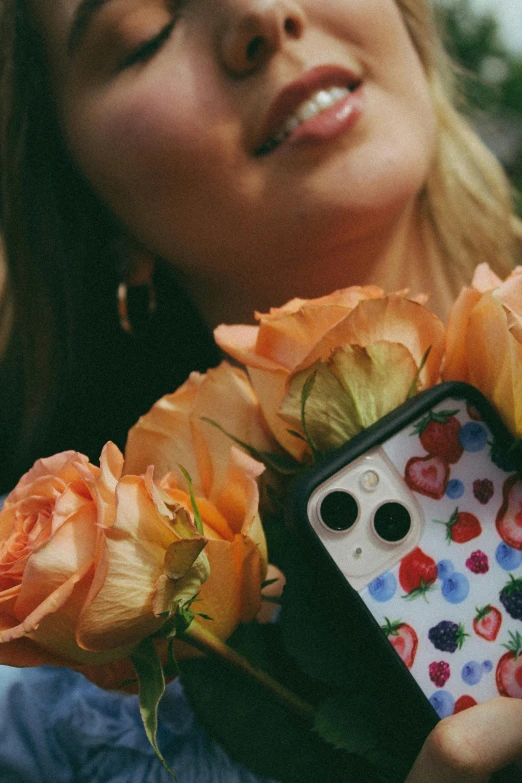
x: 491, y: 77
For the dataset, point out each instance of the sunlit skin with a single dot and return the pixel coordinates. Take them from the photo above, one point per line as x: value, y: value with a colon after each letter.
x: 169, y: 142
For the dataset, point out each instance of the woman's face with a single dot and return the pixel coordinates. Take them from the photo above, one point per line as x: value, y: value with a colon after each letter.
x: 242, y: 131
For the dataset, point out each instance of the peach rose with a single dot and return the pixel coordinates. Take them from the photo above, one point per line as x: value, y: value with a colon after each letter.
x: 90, y: 564
x: 364, y: 348
x: 224, y: 480
x: 484, y: 341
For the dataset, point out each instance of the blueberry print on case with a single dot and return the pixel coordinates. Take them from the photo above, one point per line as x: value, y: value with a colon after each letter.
x: 452, y: 607
x: 454, y: 489
x: 384, y: 587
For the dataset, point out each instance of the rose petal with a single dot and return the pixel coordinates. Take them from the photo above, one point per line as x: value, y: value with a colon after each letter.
x: 271, y: 389
x: 240, y: 343
x: 392, y: 319
x: 228, y: 399
x: 222, y: 596
x: 70, y: 551
x: 239, y: 496
x: 121, y: 612
x: 495, y: 360
x: 456, y: 362
x: 163, y: 437
x: 287, y: 340
x: 51, y: 604
x: 484, y: 279
x: 104, y: 485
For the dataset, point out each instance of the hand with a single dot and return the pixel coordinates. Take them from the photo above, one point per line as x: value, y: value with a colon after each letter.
x: 470, y: 746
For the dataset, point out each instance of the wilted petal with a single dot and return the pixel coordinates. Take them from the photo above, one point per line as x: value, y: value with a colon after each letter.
x: 330, y: 414
x: 377, y: 378
x: 191, y: 583
x: 392, y: 319
x: 180, y: 556
x: 171, y: 593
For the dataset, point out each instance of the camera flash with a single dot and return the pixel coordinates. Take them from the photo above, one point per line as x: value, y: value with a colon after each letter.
x: 369, y: 480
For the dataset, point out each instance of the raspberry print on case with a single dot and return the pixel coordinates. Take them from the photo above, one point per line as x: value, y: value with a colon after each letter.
x: 452, y: 607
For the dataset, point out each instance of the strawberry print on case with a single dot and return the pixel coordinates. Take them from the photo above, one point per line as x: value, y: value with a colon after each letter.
x: 452, y: 607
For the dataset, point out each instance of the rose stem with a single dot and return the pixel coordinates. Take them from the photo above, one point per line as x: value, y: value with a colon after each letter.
x: 206, y: 642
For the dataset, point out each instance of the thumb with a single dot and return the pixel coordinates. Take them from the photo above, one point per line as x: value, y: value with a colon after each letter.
x: 470, y: 746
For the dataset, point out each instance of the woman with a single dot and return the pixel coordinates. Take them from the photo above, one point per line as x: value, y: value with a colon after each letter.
x: 265, y: 149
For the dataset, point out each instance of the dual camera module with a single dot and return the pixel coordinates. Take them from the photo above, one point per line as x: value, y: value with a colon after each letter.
x: 339, y: 511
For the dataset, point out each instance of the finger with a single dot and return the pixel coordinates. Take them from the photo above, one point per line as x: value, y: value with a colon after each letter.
x: 470, y: 746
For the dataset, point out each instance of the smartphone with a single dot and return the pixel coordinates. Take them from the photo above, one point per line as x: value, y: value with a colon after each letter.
x: 419, y: 520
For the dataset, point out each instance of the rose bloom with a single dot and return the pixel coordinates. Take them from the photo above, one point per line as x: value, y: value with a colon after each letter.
x: 172, y: 435
x: 484, y: 341
x: 364, y: 348
x: 90, y: 564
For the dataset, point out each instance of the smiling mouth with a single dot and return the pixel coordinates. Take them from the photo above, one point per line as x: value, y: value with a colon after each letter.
x: 319, y: 102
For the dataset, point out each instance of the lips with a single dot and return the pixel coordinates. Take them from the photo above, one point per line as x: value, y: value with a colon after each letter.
x: 302, y: 101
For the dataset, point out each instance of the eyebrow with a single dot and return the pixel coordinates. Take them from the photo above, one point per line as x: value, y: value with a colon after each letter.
x: 81, y: 20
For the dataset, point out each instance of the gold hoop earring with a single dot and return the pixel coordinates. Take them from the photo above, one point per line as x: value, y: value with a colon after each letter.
x: 136, y: 305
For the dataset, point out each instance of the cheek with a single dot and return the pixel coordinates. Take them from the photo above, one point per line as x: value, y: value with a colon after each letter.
x: 132, y: 146
x: 170, y: 166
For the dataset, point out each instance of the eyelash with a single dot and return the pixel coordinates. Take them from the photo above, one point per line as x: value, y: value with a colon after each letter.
x: 149, y: 48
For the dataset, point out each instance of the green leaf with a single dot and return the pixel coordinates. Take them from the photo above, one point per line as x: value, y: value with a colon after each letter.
x: 184, y: 617
x: 341, y: 721
x: 151, y: 688
x: 197, y: 515
x: 305, y: 394
x: 327, y: 630
x: 269, y: 582
x: 413, y: 388
x: 255, y: 728
x: 344, y: 721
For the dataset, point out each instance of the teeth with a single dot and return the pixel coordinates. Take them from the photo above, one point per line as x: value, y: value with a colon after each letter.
x: 318, y: 103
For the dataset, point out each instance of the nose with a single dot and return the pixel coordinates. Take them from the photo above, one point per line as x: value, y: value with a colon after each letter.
x: 253, y: 30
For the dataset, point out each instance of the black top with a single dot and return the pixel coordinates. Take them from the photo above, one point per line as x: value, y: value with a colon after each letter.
x: 113, y: 378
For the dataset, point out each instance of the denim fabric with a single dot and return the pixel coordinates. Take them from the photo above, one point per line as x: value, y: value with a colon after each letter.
x: 56, y: 727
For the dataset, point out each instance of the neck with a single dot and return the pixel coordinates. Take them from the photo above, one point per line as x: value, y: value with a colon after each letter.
x: 401, y: 259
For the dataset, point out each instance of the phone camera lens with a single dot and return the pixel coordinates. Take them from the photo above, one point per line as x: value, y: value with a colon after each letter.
x: 339, y: 510
x: 392, y: 522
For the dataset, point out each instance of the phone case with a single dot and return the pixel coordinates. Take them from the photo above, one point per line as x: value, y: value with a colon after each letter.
x: 451, y: 607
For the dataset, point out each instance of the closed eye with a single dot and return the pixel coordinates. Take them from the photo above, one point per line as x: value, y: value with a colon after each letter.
x: 149, y: 48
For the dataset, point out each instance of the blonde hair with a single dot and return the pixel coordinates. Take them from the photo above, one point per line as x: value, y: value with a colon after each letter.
x: 467, y: 199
